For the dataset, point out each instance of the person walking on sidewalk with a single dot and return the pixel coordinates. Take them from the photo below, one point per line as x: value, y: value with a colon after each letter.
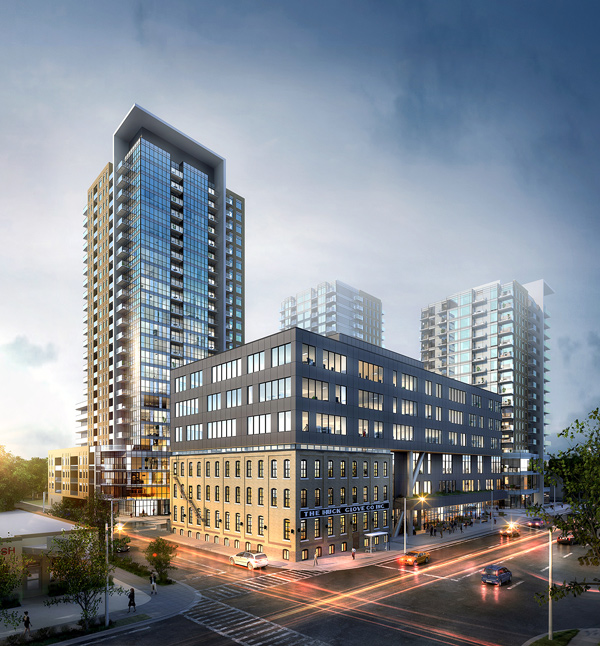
x: 131, y: 596
x: 153, y: 589
x: 316, y: 558
x: 27, y: 624
x: 353, y: 553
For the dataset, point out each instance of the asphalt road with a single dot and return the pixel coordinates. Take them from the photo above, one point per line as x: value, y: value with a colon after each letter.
x: 442, y: 602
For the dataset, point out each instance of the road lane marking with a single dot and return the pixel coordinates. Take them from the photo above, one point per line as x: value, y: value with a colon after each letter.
x: 514, y: 585
x: 569, y: 554
x: 467, y: 575
x: 544, y: 569
x: 207, y: 567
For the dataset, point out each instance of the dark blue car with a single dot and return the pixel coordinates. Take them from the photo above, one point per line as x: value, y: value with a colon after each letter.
x: 496, y: 574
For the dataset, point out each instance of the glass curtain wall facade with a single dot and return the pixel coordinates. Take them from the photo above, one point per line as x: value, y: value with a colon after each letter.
x: 332, y: 308
x: 495, y: 336
x: 165, y: 286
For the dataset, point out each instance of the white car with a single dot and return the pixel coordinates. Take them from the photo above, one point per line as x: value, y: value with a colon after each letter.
x: 250, y: 560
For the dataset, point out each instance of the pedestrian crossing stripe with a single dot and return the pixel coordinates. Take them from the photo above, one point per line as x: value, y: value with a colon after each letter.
x: 230, y: 590
x: 242, y: 627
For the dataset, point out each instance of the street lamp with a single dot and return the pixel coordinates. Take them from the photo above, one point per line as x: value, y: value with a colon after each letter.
x: 422, y: 499
x: 106, y: 611
x: 550, y: 634
x: 405, y: 524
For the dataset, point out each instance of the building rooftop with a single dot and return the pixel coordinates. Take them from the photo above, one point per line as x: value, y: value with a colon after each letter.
x: 23, y: 523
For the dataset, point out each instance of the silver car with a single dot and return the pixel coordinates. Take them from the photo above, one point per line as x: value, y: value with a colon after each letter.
x: 250, y: 560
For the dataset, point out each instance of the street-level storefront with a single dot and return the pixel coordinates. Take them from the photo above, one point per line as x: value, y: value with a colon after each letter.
x: 29, y: 535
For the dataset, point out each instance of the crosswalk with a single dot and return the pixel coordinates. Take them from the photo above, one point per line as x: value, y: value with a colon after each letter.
x: 239, y: 588
x: 244, y: 628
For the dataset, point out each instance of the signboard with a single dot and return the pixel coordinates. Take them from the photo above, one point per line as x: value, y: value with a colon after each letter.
x: 344, y: 509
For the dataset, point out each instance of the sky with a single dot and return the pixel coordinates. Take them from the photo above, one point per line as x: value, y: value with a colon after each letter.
x: 411, y: 149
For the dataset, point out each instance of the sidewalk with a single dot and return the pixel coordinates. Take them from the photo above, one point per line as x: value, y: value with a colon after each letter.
x: 585, y: 637
x: 343, y: 560
x: 170, y: 600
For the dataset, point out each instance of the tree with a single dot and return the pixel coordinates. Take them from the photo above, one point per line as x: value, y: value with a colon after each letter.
x: 12, y: 487
x: 78, y: 561
x: 13, y: 567
x: 34, y: 475
x: 159, y: 555
x: 577, y: 470
x: 92, y: 512
x: 20, y: 478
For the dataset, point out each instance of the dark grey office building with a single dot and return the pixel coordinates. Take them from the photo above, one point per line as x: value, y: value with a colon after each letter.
x: 298, y: 442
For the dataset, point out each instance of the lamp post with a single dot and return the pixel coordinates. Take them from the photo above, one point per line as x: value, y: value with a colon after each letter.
x: 550, y: 634
x: 106, y: 611
x: 405, y: 524
x: 422, y: 499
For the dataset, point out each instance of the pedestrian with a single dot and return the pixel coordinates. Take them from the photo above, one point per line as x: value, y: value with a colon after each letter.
x: 494, y: 520
x: 461, y: 529
x: 131, y: 596
x: 353, y: 553
x: 153, y: 584
x: 316, y: 558
x: 431, y: 530
x: 27, y: 624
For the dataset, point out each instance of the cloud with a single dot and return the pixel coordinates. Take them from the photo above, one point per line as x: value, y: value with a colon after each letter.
x: 594, y: 343
x: 24, y: 353
x: 31, y: 440
x: 567, y: 347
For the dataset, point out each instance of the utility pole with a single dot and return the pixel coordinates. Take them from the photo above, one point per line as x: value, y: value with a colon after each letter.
x: 106, y: 612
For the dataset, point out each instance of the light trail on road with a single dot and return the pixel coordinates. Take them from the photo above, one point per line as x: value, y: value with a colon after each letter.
x: 352, y: 603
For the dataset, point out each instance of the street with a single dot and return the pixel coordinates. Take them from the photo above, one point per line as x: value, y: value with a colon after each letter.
x: 443, y: 602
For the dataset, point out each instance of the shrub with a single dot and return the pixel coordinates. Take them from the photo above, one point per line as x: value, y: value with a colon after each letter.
x: 128, y: 564
x: 9, y: 602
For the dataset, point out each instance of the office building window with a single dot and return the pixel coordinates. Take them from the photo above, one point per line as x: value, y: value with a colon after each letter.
x: 363, y: 427
x: 303, y: 532
x: 403, y: 432
x: 334, y: 361
x: 256, y: 362
x: 370, y: 371
x: 309, y: 354
x: 281, y: 355
x: 303, y: 497
x: 317, y: 528
x: 409, y: 382
x: 409, y: 407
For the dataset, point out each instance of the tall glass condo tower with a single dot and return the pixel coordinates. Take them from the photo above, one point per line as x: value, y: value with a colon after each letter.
x: 496, y: 336
x: 164, y: 285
